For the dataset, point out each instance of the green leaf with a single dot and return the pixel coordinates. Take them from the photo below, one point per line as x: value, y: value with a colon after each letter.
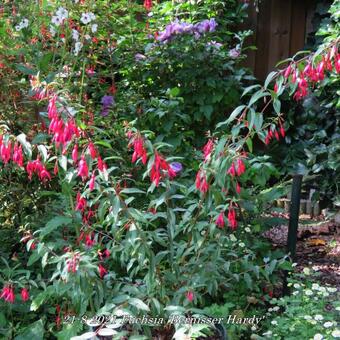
x: 25, y: 70
x: 54, y: 224
x: 139, y: 304
x: 277, y: 106
x: 34, y: 331
x: 256, y: 96
x: 234, y: 114
x: 132, y: 191
x: 269, y: 78
x: 26, y: 145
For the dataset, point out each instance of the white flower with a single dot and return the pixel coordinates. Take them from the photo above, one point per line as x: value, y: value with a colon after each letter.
x: 77, y: 47
x: 87, y: 36
x: 336, y: 333
x: 75, y: 34
x: 274, y: 322
x: 242, y: 245
x: 56, y: 20
x: 308, y: 292
x: 92, y: 16
x: 332, y: 289
x: 85, y: 18
x: 276, y: 308
x: 318, y: 336
x: 318, y: 317
x: 233, y: 238
x: 337, y: 308
x: 296, y: 292
x: 253, y: 328
x: 307, y: 317
x: 94, y: 28
x: 18, y: 28
x: 328, y: 324
x: 322, y: 289
x: 247, y: 230
x: 62, y: 13
x: 24, y: 23
x: 296, y: 286
x: 294, y: 264
x: 315, y: 286
x: 270, y: 309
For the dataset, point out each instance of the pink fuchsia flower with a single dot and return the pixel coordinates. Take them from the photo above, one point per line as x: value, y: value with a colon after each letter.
x: 25, y: 294
x: 75, y: 154
x: 52, y: 108
x: 201, y: 182
x: 8, y: 294
x: 92, y: 182
x: 220, y: 220
x: 207, y: 149
x: 240, y: 167
x: 73, y: 263
x: 148, y: 4
x: 189, y: 295
x: 102, y: 271
x: 139, y: 150
x: 238, y: 188
x: 18, y: 157
x: 232, y: 171
x: 80, y: 203
x: 158, y: 168
x: 92, y: 150
x: 101, y: 164
x: 232, y: 217
x: 83, y: 170
x: 5, y: 151
x: 89, y: 242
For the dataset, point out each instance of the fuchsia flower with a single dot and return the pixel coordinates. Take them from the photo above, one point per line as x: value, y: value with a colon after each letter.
x: 240, y: 167
x: 75, y: 153
x: 73, y: 263
x: 92, y: 182
x: 148, y: 4
x: 232, y: 217
x: 92, y: 150
x: 139, y: 150
x: 190, y: 296
x: 102, y: 271
x: 238, y: 188
x: 158, y: 167
x: 83, y: 170
x: 201, y: 182
x: 101, y: 165
x: 220, y: 220
x: 232, y: 171
x: 18, y: 157
x: 5, y: 151
x: 80, y: 203
x: 38, y: 168
x: 89, y: 242
x: 52, y: 108
x: 8, y: 294
x: 207, y: 149
x: 25, y: 294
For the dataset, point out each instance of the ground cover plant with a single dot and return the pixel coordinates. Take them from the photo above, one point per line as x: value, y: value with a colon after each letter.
x: 130, y: 183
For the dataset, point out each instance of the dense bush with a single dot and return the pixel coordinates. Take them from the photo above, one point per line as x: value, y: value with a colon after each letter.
x: 120, y: 209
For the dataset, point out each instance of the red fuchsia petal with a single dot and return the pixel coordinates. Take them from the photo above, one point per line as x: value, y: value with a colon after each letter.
x: 288, y: 71
x: 277, y: 135
x: 240, y: 167
x: 238, y: 188
x: 232, y: 170
x: 83, y: 170
x: 148, y: 4
x: 92, y: 150
x: 75, y: 154
x: 207, y: 149
x: 282, y: 131
x: 190, y: 296
x: 25, y: 294
x: 220, y: 220
x: 102, y: 271
x: 92, y: 182
x: 276, y: 88
x: 55, y: 170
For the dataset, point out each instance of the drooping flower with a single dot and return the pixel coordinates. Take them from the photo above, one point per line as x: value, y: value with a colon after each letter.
x: 189, y: 295
x: 232, y: 217
x: 232, y: 170
x: 24, y: 294
x: 148, y: 4
x: 240, y: 167
x: 92, y: 182
x: 201, y: 182
x: 238, y: 188
x: 73, y: 263
x: 83, y: 170
x: 80, y: 202
x: 89, y: 242
x: 139, y: 150
x: 8, y: 294
x: 18, y: 157
x: 6, y: 151
x: 207, y: 149
x: 158, y: 168
x: 102, y: 271
x: 92, y: 150
x: 75, y: 154
x: 220, y: 220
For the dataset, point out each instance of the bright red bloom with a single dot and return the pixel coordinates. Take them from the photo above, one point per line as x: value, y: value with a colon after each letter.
x: 220, y: 220
x: 139, y: 150
x: 8, y: 294
x: 288, y: 71
x: 18, y: 157
x: 148, y: 4
x: 232, y: 171
x: 83, y: 170
x: 101, y: 165
x: 92, y: 150
x: 75, y: 154
x: 89, y: 242
x: 201, y: 182
x: 81, y: 203
x: 92, y: 182
x: 282, y: 131
x: 189, y: 295
x: 240, y: 167
x: 238, y: 188
x: 5, y: 151
x: 52, y: 108
x: 102, y: 271
x: 158, y: 167
x: 25, y: 294
x: 72, y: 263
x: 232, y: 217
x: 207, y: 149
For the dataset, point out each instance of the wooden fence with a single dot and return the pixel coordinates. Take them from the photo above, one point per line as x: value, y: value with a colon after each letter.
x: 280, y: 29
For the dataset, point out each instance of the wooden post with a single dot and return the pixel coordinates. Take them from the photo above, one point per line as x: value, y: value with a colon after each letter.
x: 293, y: 222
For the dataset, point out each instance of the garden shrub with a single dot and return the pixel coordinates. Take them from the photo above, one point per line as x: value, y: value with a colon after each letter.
x: 125, y: 222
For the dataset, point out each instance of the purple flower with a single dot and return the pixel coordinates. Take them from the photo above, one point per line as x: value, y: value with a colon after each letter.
x: 176, y: 166
x: 140, y: 57
x: 234, y: 53
x: 107, y: 102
